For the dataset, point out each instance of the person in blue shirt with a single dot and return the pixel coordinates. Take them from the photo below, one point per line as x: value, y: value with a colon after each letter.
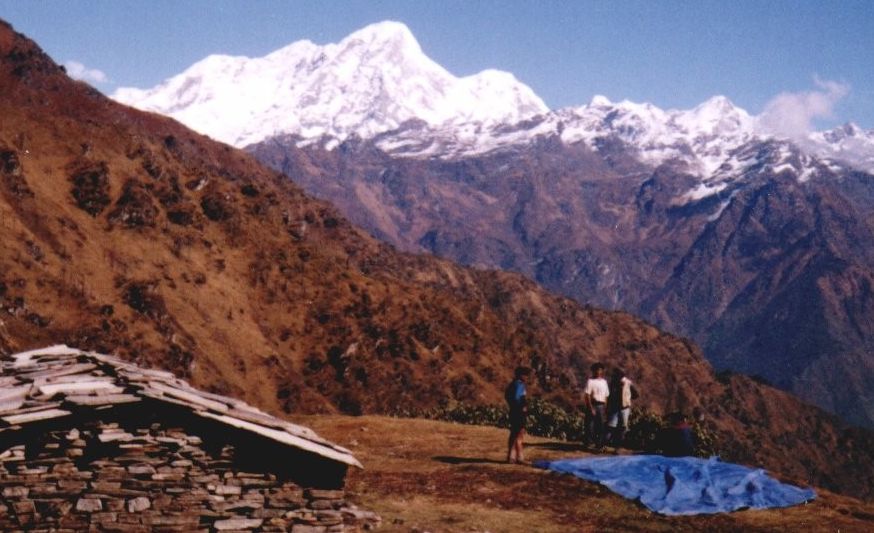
x: 515, y: 394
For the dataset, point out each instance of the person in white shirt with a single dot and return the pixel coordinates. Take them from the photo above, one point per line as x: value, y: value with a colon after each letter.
x: 595, y: 401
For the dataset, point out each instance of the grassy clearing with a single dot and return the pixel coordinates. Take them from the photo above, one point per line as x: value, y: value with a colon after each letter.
x: 422, y: 475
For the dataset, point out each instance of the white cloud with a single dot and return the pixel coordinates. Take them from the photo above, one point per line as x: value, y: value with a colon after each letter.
x: 792, y: 114
x: 78, y: 71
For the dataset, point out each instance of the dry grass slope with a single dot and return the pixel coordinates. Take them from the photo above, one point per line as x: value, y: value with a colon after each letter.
x: 434, y: 476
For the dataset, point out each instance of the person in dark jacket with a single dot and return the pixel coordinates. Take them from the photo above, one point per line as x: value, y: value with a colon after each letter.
x: 517, y: 402
x: 622, y: 392
x: 678, y: 439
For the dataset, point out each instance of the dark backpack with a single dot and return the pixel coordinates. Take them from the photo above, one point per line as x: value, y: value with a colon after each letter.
x: 510, y: 394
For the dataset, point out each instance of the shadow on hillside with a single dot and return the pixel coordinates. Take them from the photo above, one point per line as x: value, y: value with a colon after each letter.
x: 466, y: 460
x: 559, y: 446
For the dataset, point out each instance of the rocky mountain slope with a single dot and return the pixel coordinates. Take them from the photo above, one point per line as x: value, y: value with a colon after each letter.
x: 770, y: 273
x: 128, y: 233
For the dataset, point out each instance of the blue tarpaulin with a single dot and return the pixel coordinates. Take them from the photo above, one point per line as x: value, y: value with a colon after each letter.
x: 684, y: 485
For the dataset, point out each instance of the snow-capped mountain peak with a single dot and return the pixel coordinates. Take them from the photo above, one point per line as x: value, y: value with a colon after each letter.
x: 389, y: 35
x: 599, y: 100
x: 716, y: 116
x: 848, y: 143
x: 371, y: 82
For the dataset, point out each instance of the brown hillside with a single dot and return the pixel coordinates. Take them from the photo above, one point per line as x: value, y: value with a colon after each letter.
x: 772, y: 277
x: 127, y: 233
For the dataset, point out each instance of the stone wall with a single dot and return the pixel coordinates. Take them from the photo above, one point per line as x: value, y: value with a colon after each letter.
x: 105, y: 476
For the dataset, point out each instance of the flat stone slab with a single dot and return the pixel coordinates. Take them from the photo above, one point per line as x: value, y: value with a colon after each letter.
x: 89, y: 505
x: 102, y: 399
x: 15, y: 492
x: 136, y: 505
x: 237, y: 523
x: 34, y: 416
x: 80, y: 386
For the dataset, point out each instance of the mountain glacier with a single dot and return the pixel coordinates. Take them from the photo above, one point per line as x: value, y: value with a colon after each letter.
x: 377, y: 84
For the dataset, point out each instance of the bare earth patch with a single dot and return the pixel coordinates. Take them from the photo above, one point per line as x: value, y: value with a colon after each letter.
x: 421, y: 475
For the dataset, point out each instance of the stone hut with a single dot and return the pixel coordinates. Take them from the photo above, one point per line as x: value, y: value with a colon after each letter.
x: 91, y: 442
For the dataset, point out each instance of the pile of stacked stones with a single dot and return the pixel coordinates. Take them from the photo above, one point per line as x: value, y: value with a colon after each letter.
x: 155, y: 479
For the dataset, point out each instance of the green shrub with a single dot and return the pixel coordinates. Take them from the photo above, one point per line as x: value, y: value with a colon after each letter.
x: 644, y: 429
x: 546, y: 419
x: 706, y: 441
x: 480, y: 415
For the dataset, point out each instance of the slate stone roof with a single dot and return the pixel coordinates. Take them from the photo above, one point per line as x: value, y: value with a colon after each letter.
x: 55, y: 382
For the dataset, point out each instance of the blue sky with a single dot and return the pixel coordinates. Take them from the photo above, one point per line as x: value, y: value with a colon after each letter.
x: 674, y: 54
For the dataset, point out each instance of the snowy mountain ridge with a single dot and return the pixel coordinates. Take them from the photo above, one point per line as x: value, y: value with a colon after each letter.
x: 371, y: 82
x: 377, y: 84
